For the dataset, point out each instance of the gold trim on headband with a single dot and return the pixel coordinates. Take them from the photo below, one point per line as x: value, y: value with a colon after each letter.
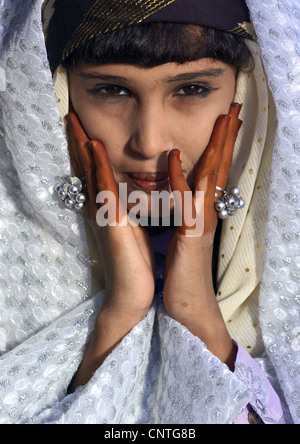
x: 107, y: 15
x: 245, y: 29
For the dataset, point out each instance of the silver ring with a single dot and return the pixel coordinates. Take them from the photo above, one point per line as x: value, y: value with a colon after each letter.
x: 70, y: 192
x: 229, y: 203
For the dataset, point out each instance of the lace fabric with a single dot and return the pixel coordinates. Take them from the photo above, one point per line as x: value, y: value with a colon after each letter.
x: 159, y: 369
x: 277, y: 25
x: 137, y: 383
x: 43, y: 253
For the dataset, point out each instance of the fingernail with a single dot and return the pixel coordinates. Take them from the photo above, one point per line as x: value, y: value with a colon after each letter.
x: 240, y: 123
x: 175, y: 153
x: 237, y: 108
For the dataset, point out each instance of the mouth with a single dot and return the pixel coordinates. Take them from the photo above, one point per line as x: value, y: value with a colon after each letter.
x: 150, y: 181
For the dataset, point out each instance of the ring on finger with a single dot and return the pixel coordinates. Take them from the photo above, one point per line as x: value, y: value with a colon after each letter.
x: 229, y: 203
x: 70, y: 192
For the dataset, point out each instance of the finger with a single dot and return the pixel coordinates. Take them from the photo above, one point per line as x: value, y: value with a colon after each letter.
x: 104, y: 173
x: 177, y: 179
x: 77, y: 128
x: 82, y: 159
x: 207, y: 171
x: 183, y: 202
x: 77, y: 139
x: 105, y: 179
x: 232, y: 133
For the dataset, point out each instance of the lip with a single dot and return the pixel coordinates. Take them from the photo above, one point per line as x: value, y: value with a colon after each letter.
x: 150, y: 181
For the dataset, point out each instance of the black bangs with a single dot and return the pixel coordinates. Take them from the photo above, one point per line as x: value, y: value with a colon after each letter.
x: 154, y: 44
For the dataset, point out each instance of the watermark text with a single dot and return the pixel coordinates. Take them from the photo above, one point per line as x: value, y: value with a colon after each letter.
x: 187, y: 209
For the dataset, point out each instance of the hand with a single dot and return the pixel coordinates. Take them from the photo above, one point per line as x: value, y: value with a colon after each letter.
x: 188, y: 291
x: 125, y: 251
x: 126, y: 254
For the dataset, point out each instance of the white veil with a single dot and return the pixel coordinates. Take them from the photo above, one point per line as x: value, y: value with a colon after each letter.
x: 45, y: 278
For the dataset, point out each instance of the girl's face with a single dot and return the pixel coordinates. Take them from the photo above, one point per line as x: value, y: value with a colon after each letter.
x: 140, y: 114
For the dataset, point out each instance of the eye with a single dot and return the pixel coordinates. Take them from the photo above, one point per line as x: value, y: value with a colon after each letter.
x: 110, y: 91
x: 193, y: 90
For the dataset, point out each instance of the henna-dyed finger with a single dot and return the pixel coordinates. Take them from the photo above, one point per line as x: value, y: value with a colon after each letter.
x: 235, y: 109
x: 73, y: 143
x: 105, y: 179
x: 104, y: 173
x: 77, y: 128
x: 177, y: 179
x: 82, y: 160
x: 232, y: 133
x: 81, y: 156
x: 183, y: 202
x: 208, y: 168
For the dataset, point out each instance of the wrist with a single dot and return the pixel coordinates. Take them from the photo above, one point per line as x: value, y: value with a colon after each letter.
x: 114, y: 319
x: 210, y: 327
x: 110, y: 329
x: 124, y: 310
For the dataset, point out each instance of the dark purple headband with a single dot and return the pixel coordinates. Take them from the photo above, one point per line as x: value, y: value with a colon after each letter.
x: 76, y: 22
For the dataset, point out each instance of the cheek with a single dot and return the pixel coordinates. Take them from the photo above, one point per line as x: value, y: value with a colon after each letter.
x: 98, y: 126
x: 97, y: 121
x: 194, y: 138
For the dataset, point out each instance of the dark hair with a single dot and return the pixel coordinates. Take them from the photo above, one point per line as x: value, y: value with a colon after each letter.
x: 153, y: 44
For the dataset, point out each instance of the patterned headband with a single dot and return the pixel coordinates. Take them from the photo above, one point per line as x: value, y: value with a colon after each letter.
x: 75, y: 22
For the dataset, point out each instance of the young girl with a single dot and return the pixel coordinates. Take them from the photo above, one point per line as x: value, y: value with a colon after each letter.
x: 158, y: 96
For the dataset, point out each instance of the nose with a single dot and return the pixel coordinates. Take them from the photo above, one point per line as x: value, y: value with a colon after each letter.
x: 151, y: 135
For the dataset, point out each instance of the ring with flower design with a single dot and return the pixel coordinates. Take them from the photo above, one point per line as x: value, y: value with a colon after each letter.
x: 70, y: 192
x: 229, y: 203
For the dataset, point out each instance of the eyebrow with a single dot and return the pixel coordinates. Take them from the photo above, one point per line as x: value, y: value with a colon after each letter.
x: 212, y: 73
x: 196, y: 75
x: 102, y: 77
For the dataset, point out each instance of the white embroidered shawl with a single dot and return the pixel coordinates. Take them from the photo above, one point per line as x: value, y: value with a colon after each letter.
x: 46, y: 313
